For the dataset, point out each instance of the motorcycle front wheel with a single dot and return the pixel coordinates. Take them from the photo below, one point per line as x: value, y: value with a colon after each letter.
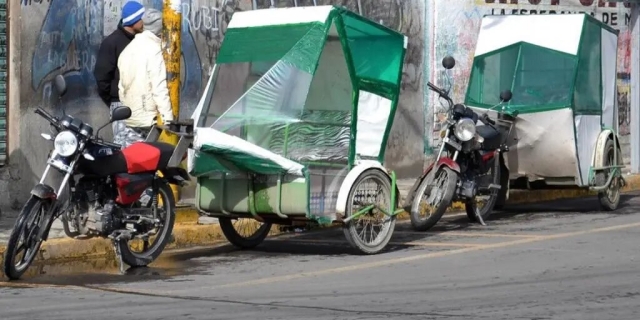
x: 436, y: 201
x: 24, y: 243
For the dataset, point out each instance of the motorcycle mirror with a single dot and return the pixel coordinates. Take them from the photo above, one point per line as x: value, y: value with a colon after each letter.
x: 506, y: 95
x: 448, y: 62
x: 60, y: 84
x: 120, y: 113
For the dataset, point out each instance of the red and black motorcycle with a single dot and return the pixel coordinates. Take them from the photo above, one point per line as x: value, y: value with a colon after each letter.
x: 467, y: 167
x: 100, y: 193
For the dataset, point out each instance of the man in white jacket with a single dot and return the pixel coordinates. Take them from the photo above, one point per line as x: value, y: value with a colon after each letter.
x: 143, y: 81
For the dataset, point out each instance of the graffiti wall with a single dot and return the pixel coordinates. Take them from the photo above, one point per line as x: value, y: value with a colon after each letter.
x: 457, y: 24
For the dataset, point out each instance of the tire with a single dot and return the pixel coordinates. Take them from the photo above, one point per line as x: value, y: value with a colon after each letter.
x: 144, y: 258
x: 504, y: 183
x: 610, y: 198
x: 25, y: 223
x: 241, y: 241
x: 448, y: 187
x: 388, y: 224
x: 471, y: 205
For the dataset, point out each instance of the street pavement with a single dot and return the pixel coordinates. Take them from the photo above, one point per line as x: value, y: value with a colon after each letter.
x: 557, y: 260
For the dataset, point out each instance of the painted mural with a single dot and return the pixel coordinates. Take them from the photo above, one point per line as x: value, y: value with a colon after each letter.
x: 458, y: 39
x: 72, y: 30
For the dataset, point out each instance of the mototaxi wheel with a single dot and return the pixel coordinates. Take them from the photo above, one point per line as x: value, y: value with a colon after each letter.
x: 233, y: 230
x: 437, y: 200
x: 371, y: 188
x: 610, y: 197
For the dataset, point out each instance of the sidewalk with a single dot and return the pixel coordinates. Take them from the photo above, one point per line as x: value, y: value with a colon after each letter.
x: 191, y: 230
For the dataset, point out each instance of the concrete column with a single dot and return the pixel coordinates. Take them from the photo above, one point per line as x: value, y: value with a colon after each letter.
x: 14, y: 22
x: 171, y: 31
x: 635, y: 89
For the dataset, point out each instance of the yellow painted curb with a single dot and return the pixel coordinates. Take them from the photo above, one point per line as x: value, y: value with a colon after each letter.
x: 187, y: 215
x: 66, y: 249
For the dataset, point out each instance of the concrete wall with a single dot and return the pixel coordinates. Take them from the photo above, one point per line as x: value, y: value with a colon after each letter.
x: 63, y: 36
x: 455, y: 25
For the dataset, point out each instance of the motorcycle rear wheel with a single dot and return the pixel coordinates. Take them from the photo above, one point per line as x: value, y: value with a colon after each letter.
x: 445, y: 180
x: 486, y: 210
x: 152, y: 252
x: 26, y: 228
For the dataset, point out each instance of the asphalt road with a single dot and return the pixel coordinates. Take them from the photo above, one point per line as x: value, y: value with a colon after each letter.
x: 553, y: 261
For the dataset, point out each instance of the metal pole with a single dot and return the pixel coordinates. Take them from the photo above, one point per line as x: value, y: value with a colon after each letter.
x: 634, y: 25
x: 171, y: 31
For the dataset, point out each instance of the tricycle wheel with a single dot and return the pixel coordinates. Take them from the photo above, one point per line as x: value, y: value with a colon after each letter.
x: 610, y: 197
x: 485, y: 200
x: 371, y: 231
x: 244, y: 233
x: 435, y: 202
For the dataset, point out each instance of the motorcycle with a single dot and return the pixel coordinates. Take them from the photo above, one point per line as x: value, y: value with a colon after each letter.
x: 99, y: 195
x: 468, y: 164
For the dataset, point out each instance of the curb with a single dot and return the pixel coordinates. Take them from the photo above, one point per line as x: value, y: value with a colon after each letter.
x: 188, y: 233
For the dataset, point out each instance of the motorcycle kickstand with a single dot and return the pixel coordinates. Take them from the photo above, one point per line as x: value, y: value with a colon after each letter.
x: 116, y: 248
x: 479, y: 217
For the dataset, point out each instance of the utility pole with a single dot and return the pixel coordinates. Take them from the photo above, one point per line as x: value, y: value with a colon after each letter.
x: 171, y: 32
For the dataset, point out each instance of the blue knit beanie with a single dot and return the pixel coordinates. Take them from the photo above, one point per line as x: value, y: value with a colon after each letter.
x: 131, y: 13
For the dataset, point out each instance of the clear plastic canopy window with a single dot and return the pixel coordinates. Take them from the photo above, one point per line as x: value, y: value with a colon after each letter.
x: 538, y: 77
x: 292, y: 89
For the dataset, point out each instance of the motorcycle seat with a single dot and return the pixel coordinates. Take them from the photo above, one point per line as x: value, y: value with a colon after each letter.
x: 140, y: 157
x: 492, y: 138
x: 147, y: 156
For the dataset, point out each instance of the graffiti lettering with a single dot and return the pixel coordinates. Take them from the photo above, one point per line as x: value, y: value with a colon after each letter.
x: 30, y: 2
x: 200, y: 18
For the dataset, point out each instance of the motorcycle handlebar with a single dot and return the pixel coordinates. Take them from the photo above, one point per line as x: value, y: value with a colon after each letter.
x: 48, y: 117
x: 440, y: 92
x: 54, y: 122
x: 485, y: 118
x: 109, y: 144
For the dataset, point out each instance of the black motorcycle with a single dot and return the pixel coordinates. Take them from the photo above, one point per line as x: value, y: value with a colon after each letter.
x: 467, y: 166
x: 100, y: 192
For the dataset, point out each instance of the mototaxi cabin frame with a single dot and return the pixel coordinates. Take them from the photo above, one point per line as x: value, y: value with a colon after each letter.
x: 295, y: 119
x: 562, y: 75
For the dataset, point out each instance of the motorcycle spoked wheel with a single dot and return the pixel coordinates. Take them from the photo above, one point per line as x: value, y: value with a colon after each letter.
x: 24, y: 237
x: 444, y: 186
x: 150, y: 252
x: 471, y: 205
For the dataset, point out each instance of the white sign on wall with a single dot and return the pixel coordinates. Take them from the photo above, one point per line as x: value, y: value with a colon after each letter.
x: 615, y: 14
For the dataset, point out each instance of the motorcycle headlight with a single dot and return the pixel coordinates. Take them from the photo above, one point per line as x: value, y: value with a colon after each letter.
x: 65, y: 143
x: 465, y: 129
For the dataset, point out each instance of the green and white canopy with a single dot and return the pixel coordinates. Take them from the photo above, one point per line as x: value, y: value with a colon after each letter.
x: 547, y: 61
x: 550, y: 63
x: 303, y: 85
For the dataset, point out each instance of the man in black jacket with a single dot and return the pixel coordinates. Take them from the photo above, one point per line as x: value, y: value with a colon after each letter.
x: 106, y: 69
